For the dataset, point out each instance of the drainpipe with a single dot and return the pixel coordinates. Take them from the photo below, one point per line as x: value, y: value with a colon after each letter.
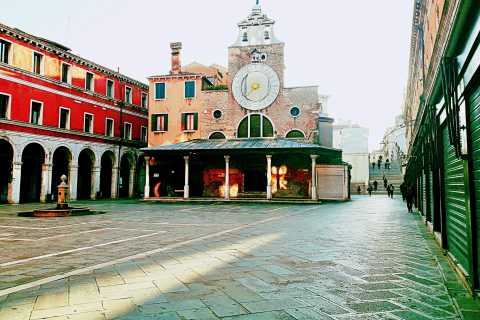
x: 121, y: 105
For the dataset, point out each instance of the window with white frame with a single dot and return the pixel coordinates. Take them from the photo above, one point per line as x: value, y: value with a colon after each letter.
x: 36, y: 112
x: 5, y: 106
x: 5, y: 48
x: 144, y: 100
x: 66, y: 73
x: 159, y: 122
x: 64, y: 118
x: 109, y: 127
x: 190, y: 121
x: 37, y: 63
x: 127, y: 131
x: 128, y: 95
x: 110, y: 88
x: 89, y: 80
x: 160, y: 91
x: 88, y: 122
x: 143, y: 134
x: 189, y: 89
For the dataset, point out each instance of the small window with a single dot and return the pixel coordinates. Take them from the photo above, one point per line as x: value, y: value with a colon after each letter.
x: 89, y: 81
x: 110, y: 88
x: 109, y: 127
x: 88, y: 123
x: 66, y: 78
x: 189, y: 121
x: 5, y: 51
x: 295, y: 134
x: 217, y: 114
x: 37, y: 63
x: 217, y: 136
x: 189, y: 89
x: 144, y: 100
x: 143, y: 134
x: 159, y: 122
x: 128, y: 95
x: 127, y: 131
x: 245, y: 37
x: 64, y: 118
x: 160, y: 92
x: 295, y: 111
x: 36, y: 112
x: 4, y: 106
x: 267, y: 35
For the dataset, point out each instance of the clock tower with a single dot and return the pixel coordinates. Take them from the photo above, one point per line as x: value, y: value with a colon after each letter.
x: 256, y: 63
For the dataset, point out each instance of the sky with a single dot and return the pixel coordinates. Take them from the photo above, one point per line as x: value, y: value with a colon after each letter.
x: 355, y: 51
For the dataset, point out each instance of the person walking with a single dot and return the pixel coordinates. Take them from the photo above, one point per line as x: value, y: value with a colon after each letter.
x: 375, y: 185
x: 373, y: 165
x: 379, y: 163
x: 385, y: 182
x: 410, y: 197
x: 369, y: 189
x: 359, y: 190
x: 403, y: 191
x: 387, y: 164
x: 392, y: 190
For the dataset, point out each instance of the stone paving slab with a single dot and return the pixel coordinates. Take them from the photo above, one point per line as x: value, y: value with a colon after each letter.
x: 366, y: 259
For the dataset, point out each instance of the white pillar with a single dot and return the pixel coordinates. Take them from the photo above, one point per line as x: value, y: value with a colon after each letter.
x: 95, y: 182
x: 44, y: 184
x: 131, y: 183
x: 73, y: 181
x: 146, y: 192
x: 226, y: 187
x: 50, y: 177
x: 314, y: 177
x: 186, y: 188
x: 269, y: 177
x: 114, y: 182
x: 16, y: 181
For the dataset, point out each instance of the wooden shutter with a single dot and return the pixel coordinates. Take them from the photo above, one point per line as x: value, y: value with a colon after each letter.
x: 195, y: 121
x: 184, y: 121
x: 165, y: 122
x: 154, y: 122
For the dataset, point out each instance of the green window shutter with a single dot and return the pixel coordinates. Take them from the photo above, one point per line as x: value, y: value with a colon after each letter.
x: 255, y: 126
x: 195, y: 121
x: 184, y: 121
x: 243, y: 129
x: 295, y: 134
x: 267, y: 128
x: 189, y: 89
x: 154, y: 122
x: 159, y: 91
x: 166, y: 122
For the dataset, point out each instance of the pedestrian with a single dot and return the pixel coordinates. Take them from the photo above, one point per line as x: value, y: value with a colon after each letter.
x: 379, y: 163
x: 359, y: 190
x: 369, y: 189
x: 385, y: 182
x: 392, y: 190
x: 410, y: 196
x: 387, y: 164
x: 375, y: 185
x: 373, y: 165
x: 388, y: 191
x: 403, y: 191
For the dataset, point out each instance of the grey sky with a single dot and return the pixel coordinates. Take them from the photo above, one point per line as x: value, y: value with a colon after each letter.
x: 356, y: 51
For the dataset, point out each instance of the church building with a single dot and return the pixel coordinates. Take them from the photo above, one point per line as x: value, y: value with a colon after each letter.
x: 239, y: 132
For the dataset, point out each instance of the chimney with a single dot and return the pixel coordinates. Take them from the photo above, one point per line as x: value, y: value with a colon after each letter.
x: 176, y: 63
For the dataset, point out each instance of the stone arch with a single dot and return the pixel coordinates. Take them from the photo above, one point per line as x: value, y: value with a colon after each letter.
x: 61, y: 165
x: 295, y: 134
x: 32, y: 177
x: 107, y: 163
x: 85, y: 182
x: 217, y: 135
x: 126, y: 171
x: 7, y: 156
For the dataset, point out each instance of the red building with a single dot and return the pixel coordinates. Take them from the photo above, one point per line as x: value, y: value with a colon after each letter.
x: 62, y: 114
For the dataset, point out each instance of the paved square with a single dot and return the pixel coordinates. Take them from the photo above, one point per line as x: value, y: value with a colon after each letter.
x: 365, y: 259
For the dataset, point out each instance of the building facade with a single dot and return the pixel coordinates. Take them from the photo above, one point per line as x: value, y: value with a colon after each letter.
x: 191, y: 111
x: 442, y: 117
x: 352, y: 139
x: 61, y: 114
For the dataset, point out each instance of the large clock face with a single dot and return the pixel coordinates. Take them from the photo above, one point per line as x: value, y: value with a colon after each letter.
x: 256, y: 86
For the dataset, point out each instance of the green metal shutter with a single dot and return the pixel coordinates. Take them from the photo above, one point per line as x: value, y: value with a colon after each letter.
x: 455, y: 204
x: 474, y: 110
x: 430, y: 195
x: 424, y: 194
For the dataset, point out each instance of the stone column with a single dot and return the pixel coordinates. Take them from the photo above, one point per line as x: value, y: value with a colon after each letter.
x: 314, y: 177
x: 186, y: 188
x: 146, y: 192
x: 226, y: 187
x: 131, y: 183
x: 95, y: 182
x: 114, y: 182
x: 50, y: 177
x: 44, y: 184
x: 269, y: 177
x: 73, y: 182
x: 16, y: 180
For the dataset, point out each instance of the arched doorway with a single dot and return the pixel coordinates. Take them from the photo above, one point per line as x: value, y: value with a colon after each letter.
x: 86, y: 161
x: 6, y: 165
x: 33, y: 158
x: 107, y: 161
x: 140, y: 177
x: 125, y: 169
x: 61, y: 160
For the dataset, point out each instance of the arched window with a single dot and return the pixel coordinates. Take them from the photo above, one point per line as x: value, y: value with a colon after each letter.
x: 267, y: 35
x: 255, y: 126
x: 295, y: 134
x: 245, y: 37
x: 217, y: 136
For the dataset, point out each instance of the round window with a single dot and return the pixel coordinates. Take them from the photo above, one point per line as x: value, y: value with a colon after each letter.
x: 295, y: 111
x: 217, y: 114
